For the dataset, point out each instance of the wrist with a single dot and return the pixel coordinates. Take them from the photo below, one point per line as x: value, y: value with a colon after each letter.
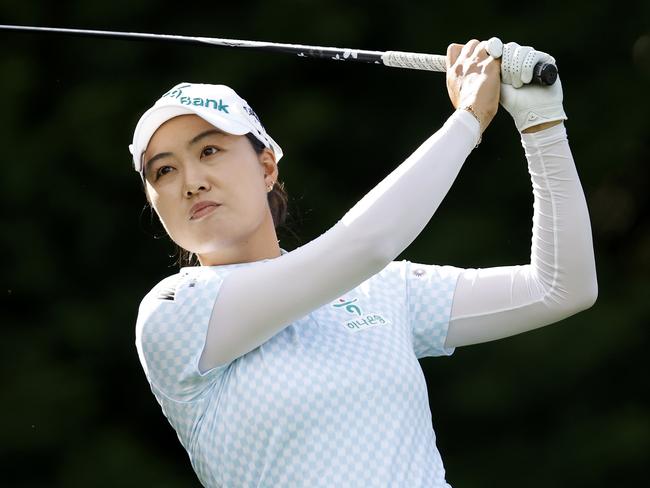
x: 471, y: 111
x: 538, y: 117
x: 538, y: 127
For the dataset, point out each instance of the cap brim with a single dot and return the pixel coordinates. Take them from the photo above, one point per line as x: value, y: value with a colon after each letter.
x: 153, y: 118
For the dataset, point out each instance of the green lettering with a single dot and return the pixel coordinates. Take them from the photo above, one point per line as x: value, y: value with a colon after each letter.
x: 217, y: 105
x: 222, y: 107
x: 175, y: 92
x: 198, y: 101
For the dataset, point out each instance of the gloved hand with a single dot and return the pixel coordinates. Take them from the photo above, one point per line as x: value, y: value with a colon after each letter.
x: 528, y: 105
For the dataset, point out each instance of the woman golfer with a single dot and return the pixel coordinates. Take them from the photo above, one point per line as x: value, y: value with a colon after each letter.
x: 291, y: 369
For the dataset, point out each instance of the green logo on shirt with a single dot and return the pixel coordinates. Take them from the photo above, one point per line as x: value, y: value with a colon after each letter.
x: 348, y: 306
x: 364, y: 321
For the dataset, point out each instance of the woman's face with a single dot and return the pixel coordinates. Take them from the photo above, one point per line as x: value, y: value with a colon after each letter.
x: 189, y: 162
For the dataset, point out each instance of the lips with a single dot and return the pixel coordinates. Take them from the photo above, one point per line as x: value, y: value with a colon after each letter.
x: 201, y: 209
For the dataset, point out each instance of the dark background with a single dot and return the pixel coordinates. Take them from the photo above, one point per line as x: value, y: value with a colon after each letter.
x: 565, y: 406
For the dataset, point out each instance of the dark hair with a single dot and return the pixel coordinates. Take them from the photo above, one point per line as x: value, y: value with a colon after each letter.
x: 278, y: 204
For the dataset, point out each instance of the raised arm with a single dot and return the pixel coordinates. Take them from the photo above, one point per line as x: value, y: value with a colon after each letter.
x: 366, y: 239
x: 561, y: 278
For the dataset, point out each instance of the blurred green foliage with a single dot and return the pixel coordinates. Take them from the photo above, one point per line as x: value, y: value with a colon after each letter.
x: 566, y: 405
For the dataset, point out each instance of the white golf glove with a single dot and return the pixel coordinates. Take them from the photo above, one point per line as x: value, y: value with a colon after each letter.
x: 528, y: 105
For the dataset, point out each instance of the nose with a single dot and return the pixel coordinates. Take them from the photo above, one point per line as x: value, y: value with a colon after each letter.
x: 192, y: 190
x: 195, y: 180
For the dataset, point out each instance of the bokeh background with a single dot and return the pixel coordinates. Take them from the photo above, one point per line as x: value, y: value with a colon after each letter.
x: 563, y: 406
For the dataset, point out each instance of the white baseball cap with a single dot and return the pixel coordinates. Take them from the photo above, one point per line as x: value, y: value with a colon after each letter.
x: 217, y: 104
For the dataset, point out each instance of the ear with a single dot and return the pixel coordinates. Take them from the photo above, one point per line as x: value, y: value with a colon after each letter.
x: 269, y: 165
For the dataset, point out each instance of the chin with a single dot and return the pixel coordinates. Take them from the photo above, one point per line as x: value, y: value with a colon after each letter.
x: 214, y: 244
x: 205, y: 240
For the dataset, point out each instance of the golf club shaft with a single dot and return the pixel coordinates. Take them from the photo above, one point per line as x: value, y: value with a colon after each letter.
x: 544, y: 73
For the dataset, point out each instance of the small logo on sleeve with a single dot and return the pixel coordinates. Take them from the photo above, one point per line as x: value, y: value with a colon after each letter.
x: 167, y: 291
x: 358, y: 319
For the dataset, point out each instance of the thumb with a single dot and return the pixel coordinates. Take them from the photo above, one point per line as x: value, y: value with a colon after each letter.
x: 494, y: 47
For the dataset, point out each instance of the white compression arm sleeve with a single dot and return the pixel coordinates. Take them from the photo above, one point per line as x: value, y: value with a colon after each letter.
x: 561, y: 278
x: 372, y: 234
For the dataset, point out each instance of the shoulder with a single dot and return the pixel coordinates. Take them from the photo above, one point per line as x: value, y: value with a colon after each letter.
x: 165, y: 289
x: 177, y: 304
x: 393, y: 269
x: 162, y: 293
x: 171, y: 330
x: 166, y: 296
x: 405, y: 269
x: 188, y: 280
x: 412, y: 277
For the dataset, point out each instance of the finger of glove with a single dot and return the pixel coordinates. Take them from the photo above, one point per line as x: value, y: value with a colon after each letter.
x: 531, y: 96
x: 530, y: 61
x: 519, y: 56
x: 506, y: 62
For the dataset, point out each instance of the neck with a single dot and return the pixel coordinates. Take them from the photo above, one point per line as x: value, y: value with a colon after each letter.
x: 262, y: 244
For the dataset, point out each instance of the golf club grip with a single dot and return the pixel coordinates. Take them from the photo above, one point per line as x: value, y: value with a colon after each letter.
x: 543, y: 73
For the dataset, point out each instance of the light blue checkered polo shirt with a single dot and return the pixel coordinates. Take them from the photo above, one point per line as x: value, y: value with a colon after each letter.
x: 336, y: 399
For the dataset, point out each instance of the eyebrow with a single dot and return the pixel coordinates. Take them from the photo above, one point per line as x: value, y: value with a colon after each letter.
x: 202, y: 135
x: 193, y: 141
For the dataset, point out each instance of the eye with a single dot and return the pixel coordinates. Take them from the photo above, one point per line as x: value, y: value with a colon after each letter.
x: 162, y: 171
x: 209, y: 151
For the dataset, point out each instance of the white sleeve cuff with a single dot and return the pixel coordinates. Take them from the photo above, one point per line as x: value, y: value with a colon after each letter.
x: 469, y: 121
